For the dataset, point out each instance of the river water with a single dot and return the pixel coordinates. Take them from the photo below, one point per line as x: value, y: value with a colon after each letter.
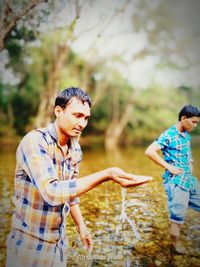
x: 129, y: 226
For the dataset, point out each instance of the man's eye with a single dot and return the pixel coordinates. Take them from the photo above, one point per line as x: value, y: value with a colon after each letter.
x: 77, y: 115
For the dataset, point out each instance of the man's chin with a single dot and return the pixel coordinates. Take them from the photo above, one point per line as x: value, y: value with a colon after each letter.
x: 76, y: 134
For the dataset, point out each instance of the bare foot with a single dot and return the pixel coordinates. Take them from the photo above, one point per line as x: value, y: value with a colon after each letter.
x: 175, y: 231
x: 179, y: 248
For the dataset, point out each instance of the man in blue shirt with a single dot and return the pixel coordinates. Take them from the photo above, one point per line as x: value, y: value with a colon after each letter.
x: 182, y: 188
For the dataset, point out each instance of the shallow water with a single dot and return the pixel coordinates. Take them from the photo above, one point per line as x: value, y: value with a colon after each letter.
x: 140, y: 240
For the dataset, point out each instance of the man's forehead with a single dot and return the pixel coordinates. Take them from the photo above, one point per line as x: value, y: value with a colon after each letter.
x: 78, y: 105
x: 196, y: 119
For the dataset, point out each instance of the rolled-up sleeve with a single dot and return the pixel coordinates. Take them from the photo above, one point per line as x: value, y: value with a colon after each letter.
x: 74, y: 177
x: 164, y: 140
x: 76, y: 173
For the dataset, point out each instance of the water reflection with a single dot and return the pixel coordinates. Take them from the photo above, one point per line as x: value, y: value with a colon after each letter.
x: 115, y: 241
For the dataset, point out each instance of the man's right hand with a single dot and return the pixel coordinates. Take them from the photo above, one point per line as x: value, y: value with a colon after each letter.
x: 115, y: 174
x: 174, y: 170
x: 127, y: 179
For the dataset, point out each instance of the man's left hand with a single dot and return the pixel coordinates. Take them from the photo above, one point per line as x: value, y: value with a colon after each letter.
x: 85, y: 237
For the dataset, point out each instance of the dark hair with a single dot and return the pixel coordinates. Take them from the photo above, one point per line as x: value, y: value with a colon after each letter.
x: 64, y: 97
x: 189, y: 111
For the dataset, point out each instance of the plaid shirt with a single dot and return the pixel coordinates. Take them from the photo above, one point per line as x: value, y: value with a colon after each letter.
x: 45, y: 187
x: 176, y: 150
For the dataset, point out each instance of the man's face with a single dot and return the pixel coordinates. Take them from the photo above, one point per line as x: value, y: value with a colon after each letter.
x: 190, y: 123
x: 74, y: 118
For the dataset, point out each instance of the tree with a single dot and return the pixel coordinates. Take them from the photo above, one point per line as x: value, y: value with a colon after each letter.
x: 113, y: 49
x: 11, y: 13
x: 60, y: 53
x: 157, y: 49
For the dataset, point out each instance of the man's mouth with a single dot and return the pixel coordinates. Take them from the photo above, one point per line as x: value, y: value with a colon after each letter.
x: 78, y: 130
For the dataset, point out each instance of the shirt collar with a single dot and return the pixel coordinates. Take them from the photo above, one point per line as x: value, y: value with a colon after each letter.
x: 184, y: 133
x: 53, y: 133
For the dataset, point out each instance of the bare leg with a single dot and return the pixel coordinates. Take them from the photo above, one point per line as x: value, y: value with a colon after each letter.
x: 175, y: 231
x: 175, y: 234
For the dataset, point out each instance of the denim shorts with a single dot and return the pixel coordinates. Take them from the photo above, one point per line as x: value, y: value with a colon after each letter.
x: 179, y: 200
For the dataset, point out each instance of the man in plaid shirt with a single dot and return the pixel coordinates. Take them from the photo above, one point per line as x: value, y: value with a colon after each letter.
x: 47, y: 188
x: 182, y: 188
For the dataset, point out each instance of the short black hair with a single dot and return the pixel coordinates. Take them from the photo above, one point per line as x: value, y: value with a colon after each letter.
x: 64, y: 97
x: 189, y: 111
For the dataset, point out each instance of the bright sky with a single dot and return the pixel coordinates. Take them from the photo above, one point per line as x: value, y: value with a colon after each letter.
x: 119, y: 37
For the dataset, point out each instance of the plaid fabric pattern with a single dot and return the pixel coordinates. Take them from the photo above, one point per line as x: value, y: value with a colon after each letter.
x: 45, y: 187
x: 176, y: 150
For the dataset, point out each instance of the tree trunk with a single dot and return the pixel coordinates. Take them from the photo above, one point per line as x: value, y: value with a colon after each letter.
x: 117, y: 125
x: 48, y: 96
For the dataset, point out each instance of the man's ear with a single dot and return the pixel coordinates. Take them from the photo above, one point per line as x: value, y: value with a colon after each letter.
x: 57, y: 111
x: 183, y: 118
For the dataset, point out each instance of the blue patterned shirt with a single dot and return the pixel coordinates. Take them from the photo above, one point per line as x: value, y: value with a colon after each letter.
x: 176, y: 150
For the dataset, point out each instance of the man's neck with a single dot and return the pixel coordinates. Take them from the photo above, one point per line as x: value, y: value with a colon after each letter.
x: 62, y: 138
x: 64, y: 149
x: 180, y: 127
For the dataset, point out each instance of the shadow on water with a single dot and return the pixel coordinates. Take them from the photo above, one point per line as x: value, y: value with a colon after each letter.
x: 129, y: 226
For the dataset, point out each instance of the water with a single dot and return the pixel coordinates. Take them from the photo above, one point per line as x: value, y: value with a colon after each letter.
x: 124, y: 217
x: 129, y: 226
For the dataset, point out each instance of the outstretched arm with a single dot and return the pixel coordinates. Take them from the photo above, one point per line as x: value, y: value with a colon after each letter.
x: 152, y: 153
x: 115, y: 174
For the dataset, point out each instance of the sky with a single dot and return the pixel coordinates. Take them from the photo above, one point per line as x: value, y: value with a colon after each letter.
x: 115, y: 22
x: 118, y: 31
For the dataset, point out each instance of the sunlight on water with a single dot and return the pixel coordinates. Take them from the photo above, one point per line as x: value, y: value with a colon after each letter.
x: 129, y: 226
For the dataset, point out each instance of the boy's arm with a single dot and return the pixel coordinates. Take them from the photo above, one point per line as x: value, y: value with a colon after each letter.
x: 191, y: 159
x: 152, y: 153
x: 191, y: 164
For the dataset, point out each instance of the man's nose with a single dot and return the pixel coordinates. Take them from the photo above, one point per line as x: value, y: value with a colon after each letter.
x: 82, y: 123
x: 194, y: 125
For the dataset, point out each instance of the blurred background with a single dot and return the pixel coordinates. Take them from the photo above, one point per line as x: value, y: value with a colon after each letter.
x: 139, y: 60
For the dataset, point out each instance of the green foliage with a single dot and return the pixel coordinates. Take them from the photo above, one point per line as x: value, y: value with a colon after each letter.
x: 23, y: 109
x: 16, y: 46
x: 154, y: 109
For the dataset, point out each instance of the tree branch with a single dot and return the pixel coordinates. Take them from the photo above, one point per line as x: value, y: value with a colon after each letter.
x: 7, y: 26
